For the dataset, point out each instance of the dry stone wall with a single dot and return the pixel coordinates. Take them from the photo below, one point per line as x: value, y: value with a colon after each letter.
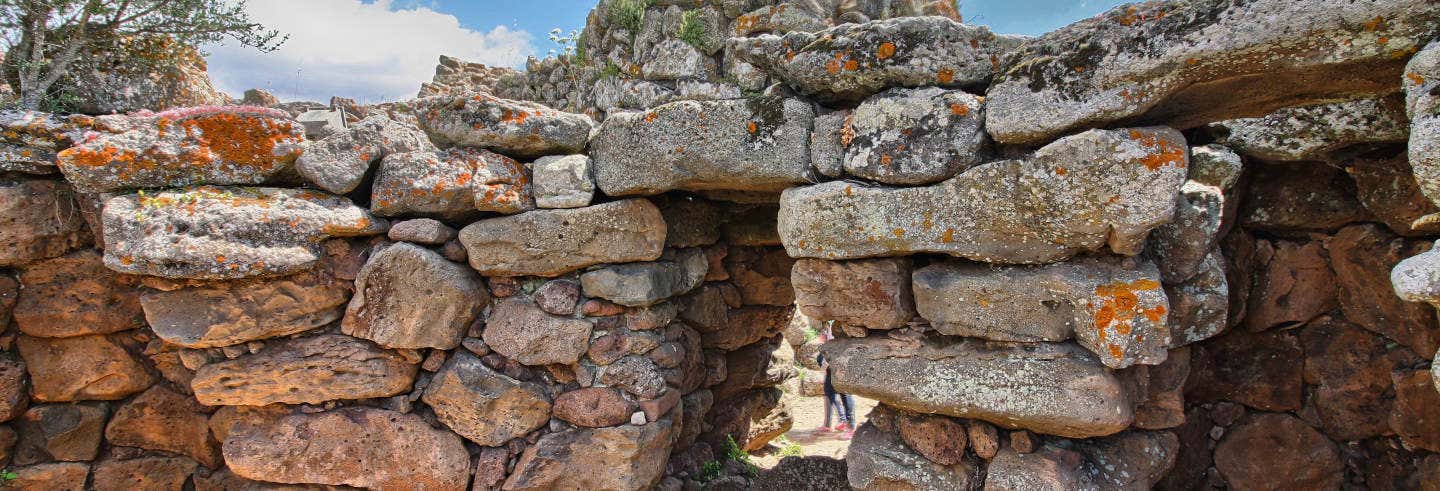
x: 1080, y: 261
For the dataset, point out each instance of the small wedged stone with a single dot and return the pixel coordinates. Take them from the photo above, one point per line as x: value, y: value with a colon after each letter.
x: 60, y: 432
x: 1114, y: 307
x: 1199, y: 307
x: 421, y: 231
x: 850, y: 62
x: 305, y: 371
x: 521, y: 331
x: 145, y: 472
x: 1202, y: 62
x: 234, y: 312
x: 454, y: 184
x: 914, y: 136
x: 485, y: 406
x: 1134, y: 460
x: 1215, y: 165
x: 1181, y: 245
x: 39, y: 219
x: 755, y: 144
x: 382, y: 449
x: 880, y: 459
x: 408, y: 296
x: 182, y: 147
x: 647, y: 283
x: 1313, y: 132
x: 563, y: 181
x: 1055, y: 389
x: 161, y: 419
x: 1077, y: 194
x: 553, y: 242
x: 1422, y: 104
x: 1277, y: 450
x: 14, y: 388
x: 83, y: 368
x: 625, y: 457
x: 75, y: 295
x: 339, y: 162
x: 870, y: 293
x: 218, y: 233
x: 594, y: 407
x: 520, y: 129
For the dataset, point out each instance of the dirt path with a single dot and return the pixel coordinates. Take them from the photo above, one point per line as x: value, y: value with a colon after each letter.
x: 809, y: 413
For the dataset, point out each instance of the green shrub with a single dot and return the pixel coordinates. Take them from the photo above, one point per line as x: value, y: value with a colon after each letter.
x: 628, y: 14
x: 692, y: 31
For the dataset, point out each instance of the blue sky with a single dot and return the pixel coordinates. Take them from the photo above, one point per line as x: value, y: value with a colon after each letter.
x: 379, y: 50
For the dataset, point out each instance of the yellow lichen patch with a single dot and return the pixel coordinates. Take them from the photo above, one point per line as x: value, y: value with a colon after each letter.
x: 847, y: 130
x: 898, y: 233
x: 1375, y: 24
x: 651, y: 116
x: 886, y: 50
x: 948, y: 236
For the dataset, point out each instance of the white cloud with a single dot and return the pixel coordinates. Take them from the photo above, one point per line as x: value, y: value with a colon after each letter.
x: 372, y: 52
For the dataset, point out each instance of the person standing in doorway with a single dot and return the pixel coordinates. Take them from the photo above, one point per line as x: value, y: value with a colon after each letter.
x: 843, y: 404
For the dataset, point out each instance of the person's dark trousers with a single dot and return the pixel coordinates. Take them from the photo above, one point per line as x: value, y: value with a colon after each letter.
x: 844, y: 404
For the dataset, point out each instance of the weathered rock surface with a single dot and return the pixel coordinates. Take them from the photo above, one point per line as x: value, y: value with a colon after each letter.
x: 39, y: 219
x: 518, y: 329
x: 1417, y: 278
x: 75, y: 295
x: 1077, y: 194
x: 1422, y: 76
x: 621, y: 458
x: 563, y: 182
x: 1199, y: 307
x: 1181, y: 245
x: 553, y: 242
x: 1272, y: 451
x: 421, y: 231
x: 1048, y: 388
x: 1417, y: 409
x: 852, y: 61
x: 1048, y: 467
x: 381, y: 449
x: 161, y: 419
x: 517, y: 128
x: 451, y: 185
x: 61, y: 476
x: 1259, y: 370
x: 1293, y: 283
x: 1201, y: 62
x: 755, y: 144
x: 339, y: 162
x: 96, y: 367
x: 63, y: 432
x: 1297, y: 198
x: 594, y: 407
x: 408, y: 296
x: 642, y: 284
x: 880, y: 460
x: 870, y: 293
x: 752, y: 419
x: 914, y: 136
x: 146, y: 472
x: 1362, y: 257
x: 227, y: 233
x: 1215, y: 165
x: 305, y: 371
x: 1387, y: 188
x: 1350, y: 369
x: 1312, y: 132
x: 484, y: 406
x: 14, y: 389
x: 234, y: 312
x: 1114, y: 307
x: 182, y: 147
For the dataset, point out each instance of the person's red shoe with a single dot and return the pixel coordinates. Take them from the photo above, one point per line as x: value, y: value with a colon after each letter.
x: 824, y: 429
x: 848, y: 435
x: 843, y: 427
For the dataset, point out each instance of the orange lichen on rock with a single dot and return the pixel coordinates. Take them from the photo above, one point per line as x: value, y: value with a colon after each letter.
x: 1415, y: 78
x: 959, y: 109
x: 1120, y: 304
x: 886, y: 50
x: 242, y: 139
x: 1163, y: 152
x: 945, y: 75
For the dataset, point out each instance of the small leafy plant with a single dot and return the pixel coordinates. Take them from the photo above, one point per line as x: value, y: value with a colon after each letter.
x: 628, y: 14
x: 7, y: 475
x: 692, y: 31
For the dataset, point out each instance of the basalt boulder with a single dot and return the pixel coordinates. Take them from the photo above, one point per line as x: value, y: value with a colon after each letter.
x: 181, y: 147
x: 1077, y: 194
x: 554, y: 242
x: 408, y: 296
x: 485, y: 406
x: 1312, y: 132
x: 516, y: 128
x: 218, y: 233
x: 305, y: 371
x: 755, y: 144
x: 339, y: 162
x: 1202, y: 62
x: 850, y: 62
